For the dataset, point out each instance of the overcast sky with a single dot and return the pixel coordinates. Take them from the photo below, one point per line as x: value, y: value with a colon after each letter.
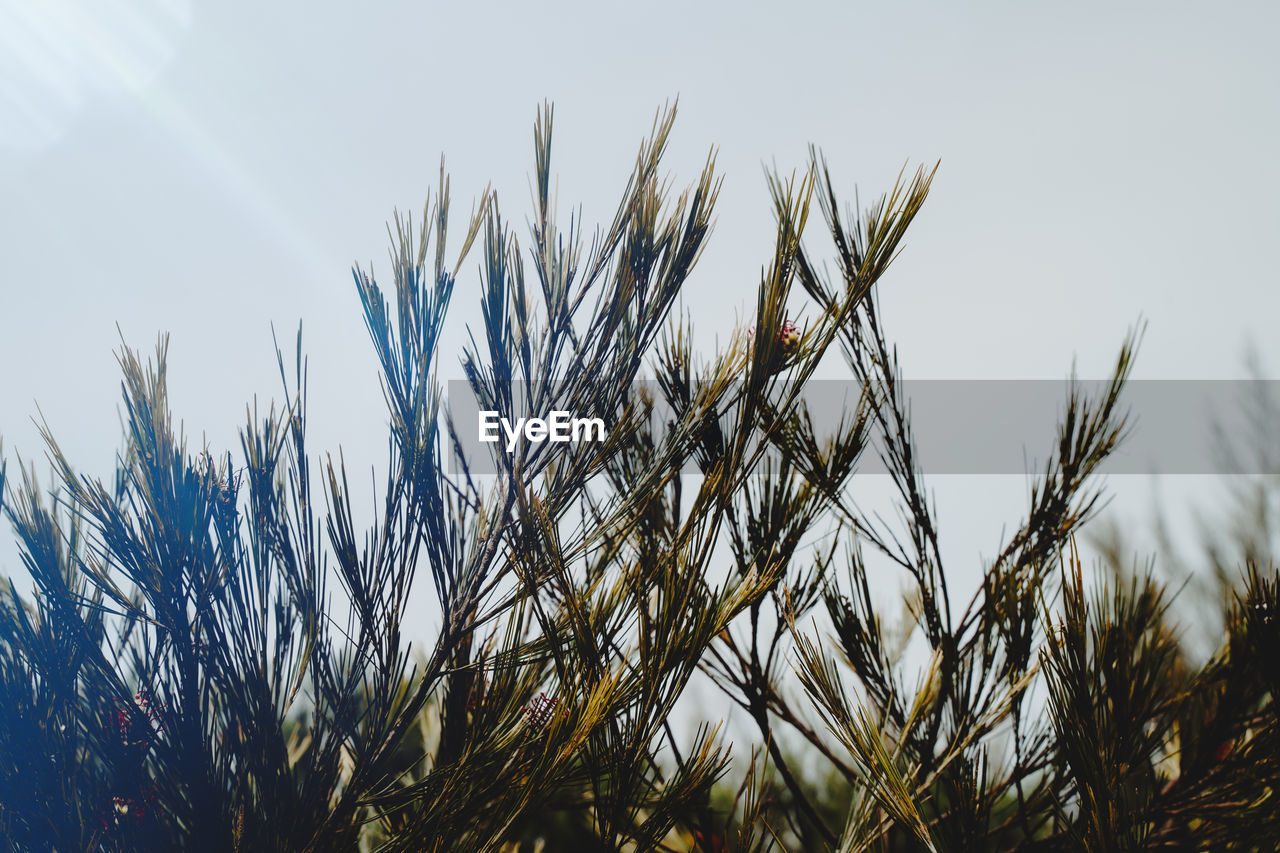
x: 207, y: 169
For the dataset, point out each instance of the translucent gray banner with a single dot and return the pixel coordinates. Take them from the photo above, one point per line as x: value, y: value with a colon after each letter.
x: 975, y: 426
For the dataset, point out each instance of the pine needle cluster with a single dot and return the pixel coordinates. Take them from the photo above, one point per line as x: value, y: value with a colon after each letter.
x: 215, y: 654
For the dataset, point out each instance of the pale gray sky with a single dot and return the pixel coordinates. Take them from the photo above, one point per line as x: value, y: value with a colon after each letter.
x: 207, y: 169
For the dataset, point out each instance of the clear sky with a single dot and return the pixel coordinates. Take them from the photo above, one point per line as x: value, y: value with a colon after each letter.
x: 207, y: 169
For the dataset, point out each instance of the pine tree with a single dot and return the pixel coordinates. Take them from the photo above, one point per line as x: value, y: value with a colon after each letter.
x: 214, y: 656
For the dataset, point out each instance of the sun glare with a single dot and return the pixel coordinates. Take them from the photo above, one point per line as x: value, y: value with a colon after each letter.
x: 58, y: 57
